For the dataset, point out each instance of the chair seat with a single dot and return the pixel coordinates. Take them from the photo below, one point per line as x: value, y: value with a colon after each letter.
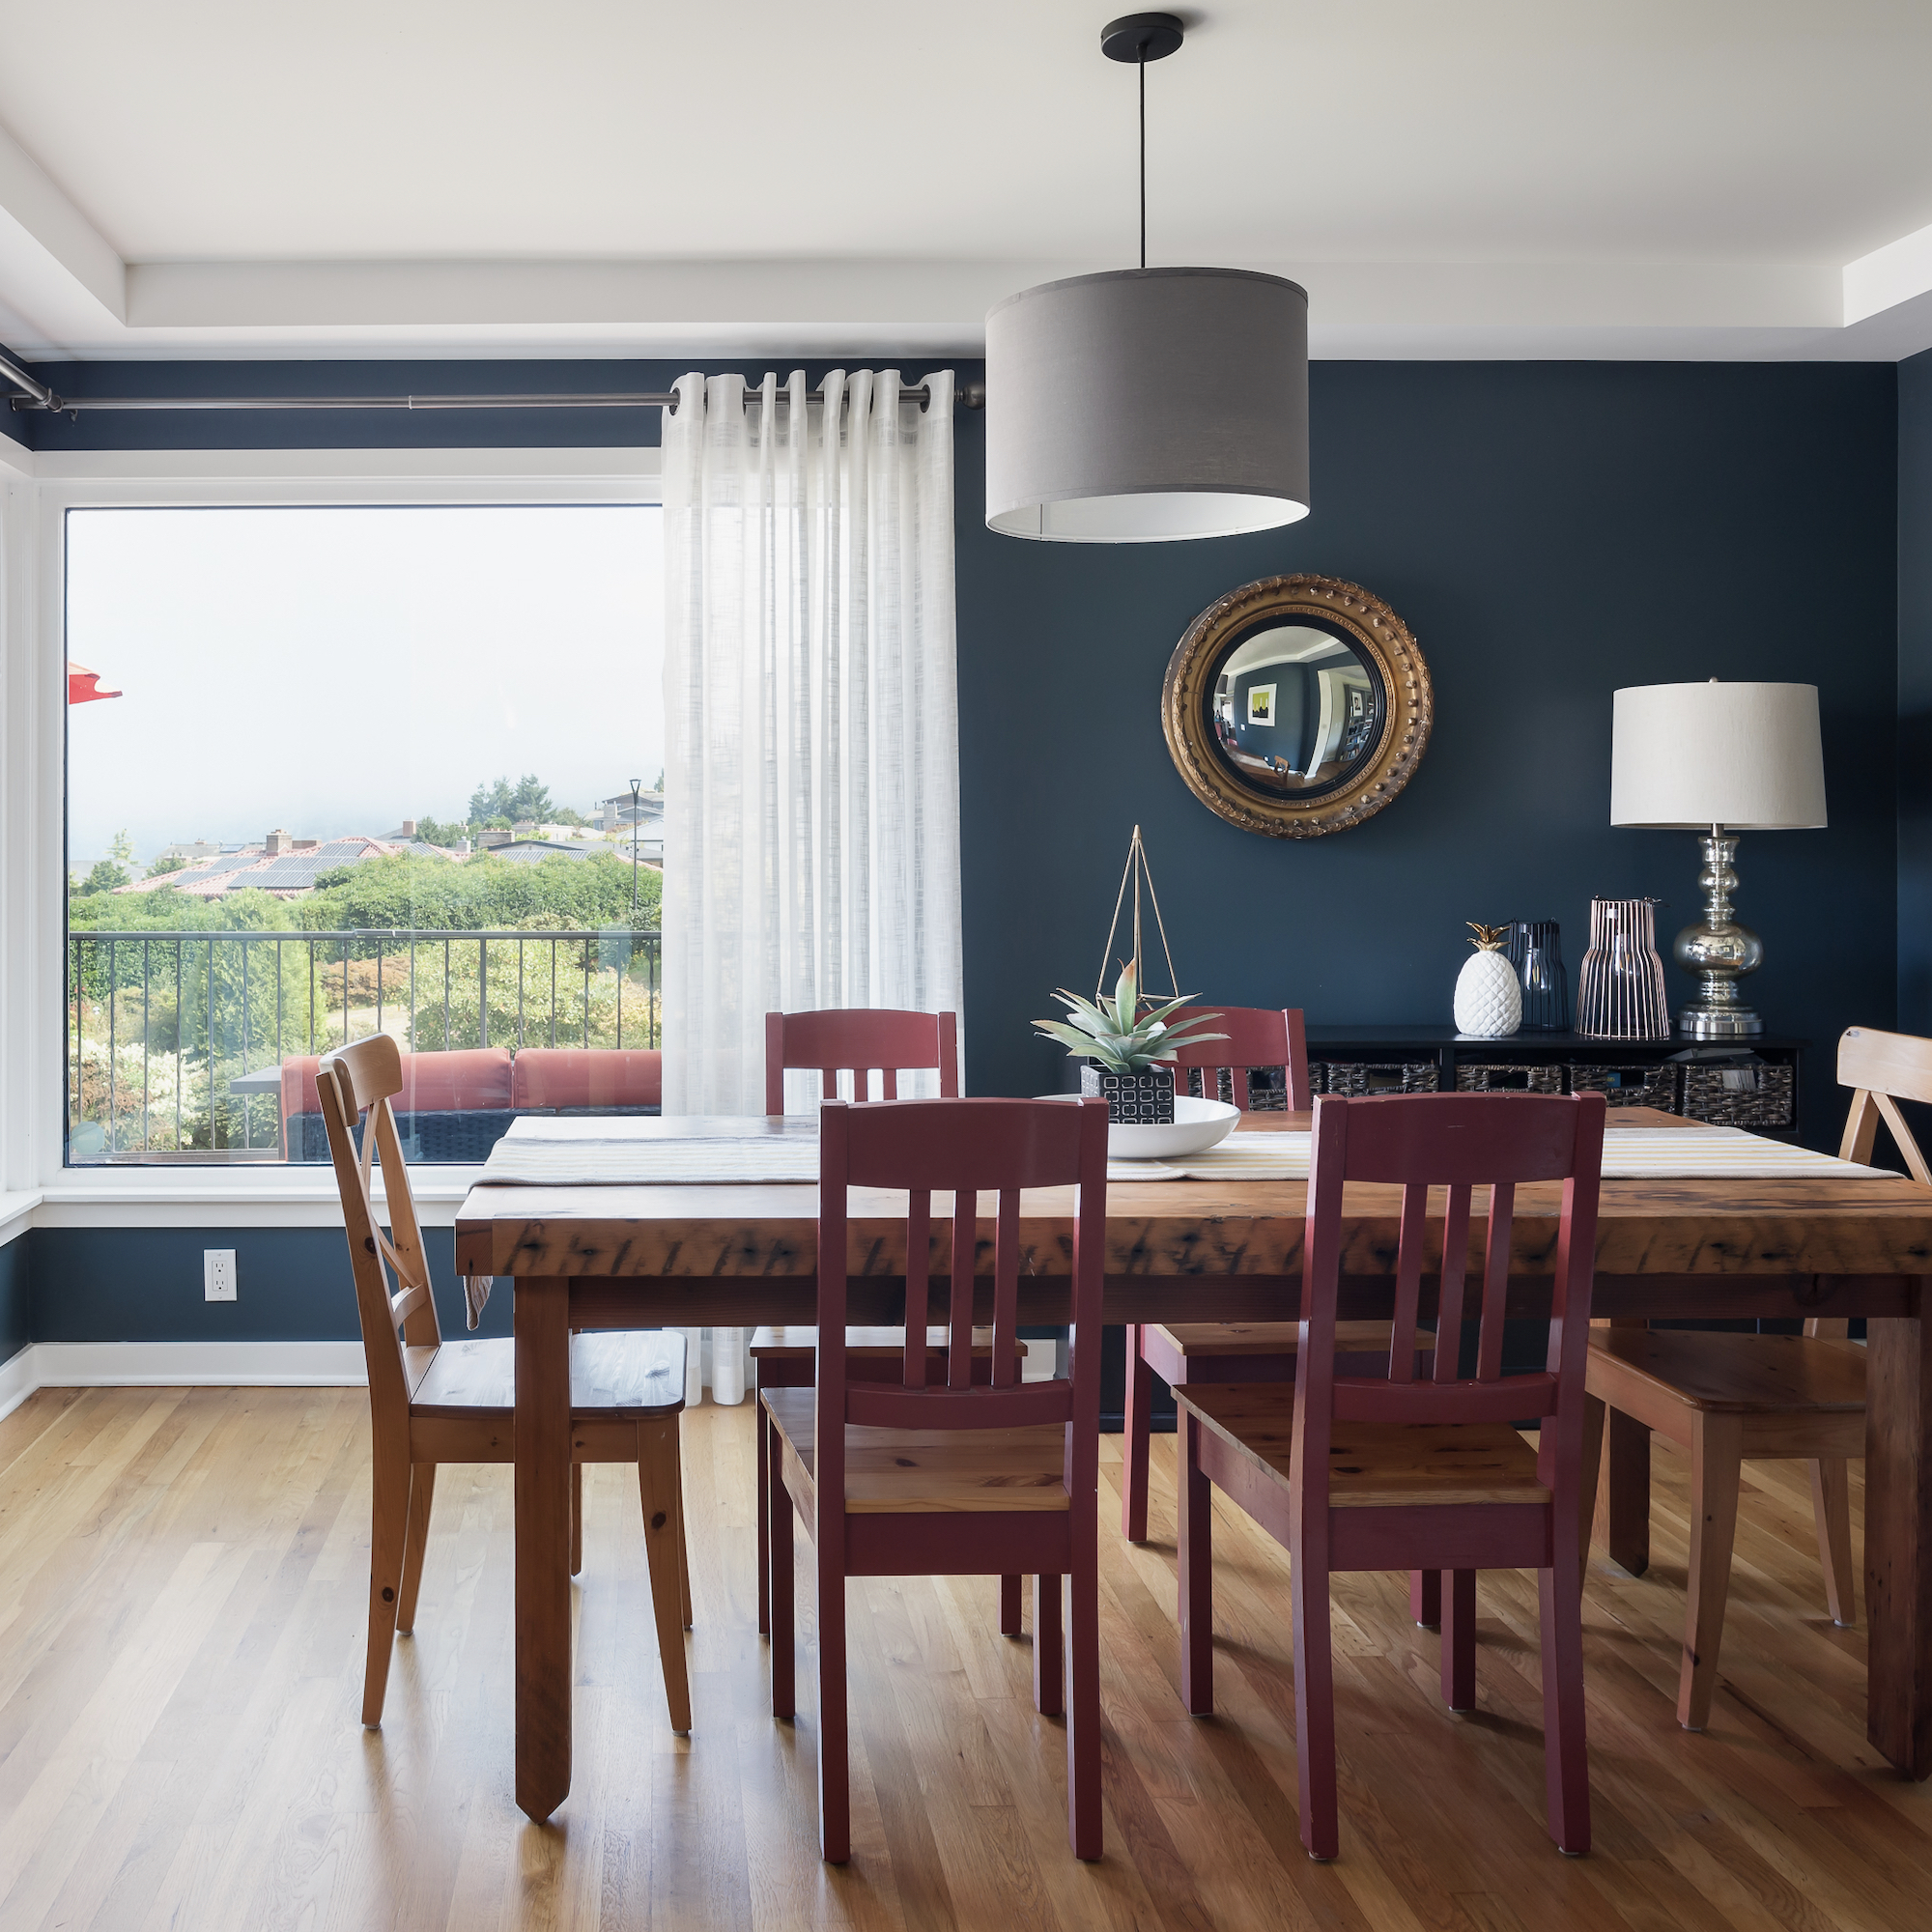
x: 635, y: 1373
x: 1734, y: 1375
x: 1375, y: 1465
x: 927, y: 1472
x: 1266, y: 1338
x: 795, y: 1343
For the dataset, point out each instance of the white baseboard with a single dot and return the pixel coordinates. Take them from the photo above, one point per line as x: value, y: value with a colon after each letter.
x: 179, y: 1365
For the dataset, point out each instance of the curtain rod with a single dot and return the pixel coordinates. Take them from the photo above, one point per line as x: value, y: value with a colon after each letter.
x: 36, y: 396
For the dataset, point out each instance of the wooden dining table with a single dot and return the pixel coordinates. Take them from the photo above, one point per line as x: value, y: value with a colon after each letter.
x: 695, y: 1255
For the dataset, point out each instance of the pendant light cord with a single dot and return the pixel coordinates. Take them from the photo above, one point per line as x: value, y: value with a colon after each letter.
x: 1143, y: 68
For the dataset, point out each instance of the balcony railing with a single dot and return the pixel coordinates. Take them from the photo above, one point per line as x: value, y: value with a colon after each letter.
x: 175, y: 1040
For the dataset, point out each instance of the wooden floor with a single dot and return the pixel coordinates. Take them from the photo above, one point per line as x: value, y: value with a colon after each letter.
x: 181, y: 1587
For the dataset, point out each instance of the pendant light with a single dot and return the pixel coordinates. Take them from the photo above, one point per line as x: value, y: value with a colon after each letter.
x: 1148, y: 405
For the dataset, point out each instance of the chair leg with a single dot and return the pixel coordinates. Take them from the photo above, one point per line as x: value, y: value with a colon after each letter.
x: 388, y: 1538
x: 1195, y: 1565
x: 422, y: 1494
x: 1831, y: 1506
x: 1714, y: 1477
x: 683, y: 1547
x: 1049, y: 1662
x: 764, y: 1514
x: 834, y: 1768
x: 1314, y: 1706
x: 1589, y: 1476
x: 1459, y: 1641
x: 1135, y: 1441
x: 1010, y: 1606
x: 1425, y: 1598
x: 1566, y: 1763
x: 785, y: 1621
x: 657, y: 1484
x: 576, y: 1519
x: 1083, y: 1715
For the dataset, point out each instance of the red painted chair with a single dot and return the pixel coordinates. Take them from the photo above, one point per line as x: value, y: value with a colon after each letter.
x: 967, y: 1478
x: 860, y: 1041
x: 1400, y: 1473
x: 1257, y: 1036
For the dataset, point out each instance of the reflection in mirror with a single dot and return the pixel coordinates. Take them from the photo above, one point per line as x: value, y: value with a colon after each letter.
x: 1294, y: 709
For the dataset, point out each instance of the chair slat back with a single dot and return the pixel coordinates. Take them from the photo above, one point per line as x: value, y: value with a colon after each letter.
x: 1451, y: 1144
x: 1882, y: 1068
x: 355, y: 1086
x: 861, y: 1042
x: 1257, y: 1036
x: 960, y: 1150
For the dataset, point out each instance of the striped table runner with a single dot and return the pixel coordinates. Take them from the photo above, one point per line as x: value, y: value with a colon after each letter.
x: 1628, y: 1154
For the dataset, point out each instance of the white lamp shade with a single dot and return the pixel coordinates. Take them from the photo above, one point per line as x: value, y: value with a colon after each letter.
x: 1148, y: 405
x: 1746, y: 757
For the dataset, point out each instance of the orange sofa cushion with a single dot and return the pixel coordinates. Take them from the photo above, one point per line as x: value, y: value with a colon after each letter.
x: 578, y: 1076
x: 469, y: 1078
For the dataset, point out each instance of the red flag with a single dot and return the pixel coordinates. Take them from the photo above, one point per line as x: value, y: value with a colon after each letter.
x: 83, y: 686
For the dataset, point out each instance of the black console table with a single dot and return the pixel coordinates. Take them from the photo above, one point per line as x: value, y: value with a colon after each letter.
x: 1765, y: 1097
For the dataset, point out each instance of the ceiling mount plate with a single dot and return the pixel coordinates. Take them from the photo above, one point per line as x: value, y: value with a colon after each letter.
x: 1139, y: 37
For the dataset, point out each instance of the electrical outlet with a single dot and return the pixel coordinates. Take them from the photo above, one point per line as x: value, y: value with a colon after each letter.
x: 218, y: 1274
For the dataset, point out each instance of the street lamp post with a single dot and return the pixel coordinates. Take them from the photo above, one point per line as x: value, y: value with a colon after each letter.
x: 637, y: 785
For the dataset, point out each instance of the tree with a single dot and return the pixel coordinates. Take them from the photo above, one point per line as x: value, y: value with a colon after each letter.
x: 168, y: 862
x: 442, y: 830
x: 528, y: 798
x: 104, y: 877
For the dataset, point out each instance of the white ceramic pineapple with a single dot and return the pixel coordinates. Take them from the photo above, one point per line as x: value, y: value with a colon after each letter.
x: 1488, y: 999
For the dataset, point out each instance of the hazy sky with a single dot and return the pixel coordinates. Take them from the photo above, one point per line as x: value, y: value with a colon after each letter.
x: 332, y: 670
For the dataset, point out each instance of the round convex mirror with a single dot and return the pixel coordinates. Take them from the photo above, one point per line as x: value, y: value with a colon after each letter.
x: 1296, y: 707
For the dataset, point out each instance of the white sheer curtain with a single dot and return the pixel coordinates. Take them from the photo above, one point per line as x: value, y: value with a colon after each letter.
x: 812, y: 774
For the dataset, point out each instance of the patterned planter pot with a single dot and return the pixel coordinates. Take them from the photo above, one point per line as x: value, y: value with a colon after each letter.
x: 1144, y: 1099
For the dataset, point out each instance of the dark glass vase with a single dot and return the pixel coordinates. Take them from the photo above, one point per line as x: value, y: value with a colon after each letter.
x: 1144, y: 1099
x: 1535, y: 949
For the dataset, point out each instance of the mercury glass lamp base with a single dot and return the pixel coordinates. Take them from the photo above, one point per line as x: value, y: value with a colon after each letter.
x: 1719, y: 1023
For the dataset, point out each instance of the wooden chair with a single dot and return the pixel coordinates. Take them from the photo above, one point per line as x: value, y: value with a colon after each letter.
x: 861, y: 1041
x: 968, y: 1478
x: 1729, y: 1399
x: 1212, y: 1351
x: 785, y: 1358
x: 1404, y: 1470
x: 432, y: 1402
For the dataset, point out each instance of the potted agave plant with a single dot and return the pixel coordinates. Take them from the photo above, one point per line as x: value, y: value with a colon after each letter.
x: 1123, y: 1048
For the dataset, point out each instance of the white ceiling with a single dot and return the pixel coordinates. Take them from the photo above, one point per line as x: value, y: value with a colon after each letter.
x: 1502, y: 177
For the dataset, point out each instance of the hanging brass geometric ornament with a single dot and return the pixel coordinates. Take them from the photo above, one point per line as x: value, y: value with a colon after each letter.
x: 1139, y: 877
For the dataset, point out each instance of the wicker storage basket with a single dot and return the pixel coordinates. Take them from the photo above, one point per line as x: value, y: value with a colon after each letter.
x: 1359, y: 1077
x: 1509, y: 1079
x: 1628, y: 1086
x: 1741, y: 1096
x: 1266, y: 1088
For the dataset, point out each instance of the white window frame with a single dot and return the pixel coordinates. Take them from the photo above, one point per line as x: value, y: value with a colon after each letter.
x: 37, y: 490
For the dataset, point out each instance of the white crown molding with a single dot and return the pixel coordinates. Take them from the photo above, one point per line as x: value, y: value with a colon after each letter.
x: 923, y: 307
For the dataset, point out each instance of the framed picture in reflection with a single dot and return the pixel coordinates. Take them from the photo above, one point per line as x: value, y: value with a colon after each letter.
x: 1261, y: 703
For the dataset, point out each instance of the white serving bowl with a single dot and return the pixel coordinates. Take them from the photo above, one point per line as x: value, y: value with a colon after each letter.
x: 1196, y: 1126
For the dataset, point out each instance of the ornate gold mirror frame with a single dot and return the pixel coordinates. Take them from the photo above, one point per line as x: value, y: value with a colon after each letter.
x: 1362, y: 623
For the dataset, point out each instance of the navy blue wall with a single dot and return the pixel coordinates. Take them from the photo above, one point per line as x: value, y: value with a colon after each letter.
x: 1548, y: 531
x: 1914, y: 695
x: 17, y: 1329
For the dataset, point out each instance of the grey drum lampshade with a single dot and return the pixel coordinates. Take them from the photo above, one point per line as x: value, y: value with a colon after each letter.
x: 1688, y: 756
x: 1148, y: 405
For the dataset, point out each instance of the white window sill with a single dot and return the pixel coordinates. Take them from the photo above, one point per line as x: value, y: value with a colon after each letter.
x: 176, y: 1197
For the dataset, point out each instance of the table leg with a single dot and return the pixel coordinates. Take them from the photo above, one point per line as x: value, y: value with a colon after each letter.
x: 543, y: 1544
x: 1626, y: 1494
x: 1899, y: 1540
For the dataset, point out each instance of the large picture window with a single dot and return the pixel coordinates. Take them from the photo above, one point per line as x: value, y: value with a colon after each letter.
x: 339, y: 769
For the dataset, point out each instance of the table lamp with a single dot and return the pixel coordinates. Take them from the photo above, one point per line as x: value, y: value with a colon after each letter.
x: 1720, y: 759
